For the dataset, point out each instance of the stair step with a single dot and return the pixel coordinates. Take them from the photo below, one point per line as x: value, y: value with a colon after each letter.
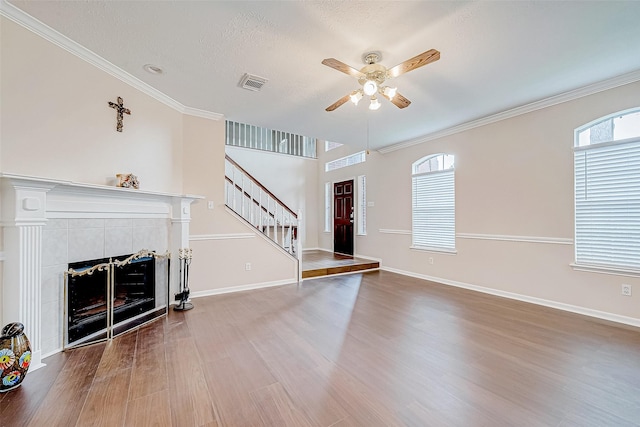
x: 340, y: 269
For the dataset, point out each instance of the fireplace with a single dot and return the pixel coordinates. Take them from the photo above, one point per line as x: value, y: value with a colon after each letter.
x: 108, y: 296
x: 47, y: 224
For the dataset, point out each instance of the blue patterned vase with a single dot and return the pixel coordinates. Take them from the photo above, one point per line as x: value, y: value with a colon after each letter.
x: 15, y: 356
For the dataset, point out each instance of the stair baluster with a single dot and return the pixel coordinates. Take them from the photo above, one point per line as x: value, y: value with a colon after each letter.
x: 245, y: 196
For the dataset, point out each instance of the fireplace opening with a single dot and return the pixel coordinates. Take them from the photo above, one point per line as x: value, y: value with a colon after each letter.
x: 133, y: 294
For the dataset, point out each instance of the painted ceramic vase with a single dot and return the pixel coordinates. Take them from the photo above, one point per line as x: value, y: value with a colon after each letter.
x: 15, y: 356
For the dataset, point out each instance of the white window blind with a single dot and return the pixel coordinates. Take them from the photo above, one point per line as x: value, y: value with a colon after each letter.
x: 607, y: 203
x: 433, y: 206
x: 362, y: 205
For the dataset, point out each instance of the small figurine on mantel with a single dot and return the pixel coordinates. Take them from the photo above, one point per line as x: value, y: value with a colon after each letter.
x: 128, y: 180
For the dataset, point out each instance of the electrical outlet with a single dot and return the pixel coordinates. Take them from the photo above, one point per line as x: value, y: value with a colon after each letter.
x: 626, y: 290
x: 247, y: 266
x: 431, y: 260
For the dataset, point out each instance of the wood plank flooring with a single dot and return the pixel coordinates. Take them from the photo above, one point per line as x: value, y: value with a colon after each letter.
x: 374, y: 349
x: 317, y: 263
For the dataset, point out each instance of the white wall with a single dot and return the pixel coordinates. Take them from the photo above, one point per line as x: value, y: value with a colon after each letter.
x: 513, y: 178
x: 292, y: 179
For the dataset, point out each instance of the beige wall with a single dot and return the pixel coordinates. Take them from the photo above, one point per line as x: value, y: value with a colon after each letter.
x: 220, y: 241
x: 56, y: 122
x: 513, y: 178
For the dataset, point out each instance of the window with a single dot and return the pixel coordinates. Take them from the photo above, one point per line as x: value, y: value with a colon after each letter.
x: 607, y: 192
x: 328, y: 145
x: 343, y: 162
x: 327, y: 207
x: 433, y: 203
x: 362, y: 206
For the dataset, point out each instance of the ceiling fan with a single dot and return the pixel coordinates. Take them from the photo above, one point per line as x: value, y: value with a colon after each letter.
x: 372, y: 76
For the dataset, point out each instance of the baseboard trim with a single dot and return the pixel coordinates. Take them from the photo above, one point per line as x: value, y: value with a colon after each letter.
x: 370, y: 258
x: 240, y: 288
x: 317, y: 249
x: 51, y: 353
x: 631, y: 321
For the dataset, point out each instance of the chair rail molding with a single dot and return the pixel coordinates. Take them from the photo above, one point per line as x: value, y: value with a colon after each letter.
x: 512, y: 238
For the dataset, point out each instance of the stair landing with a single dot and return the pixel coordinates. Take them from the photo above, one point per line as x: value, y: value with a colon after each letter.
x: 320, y: 263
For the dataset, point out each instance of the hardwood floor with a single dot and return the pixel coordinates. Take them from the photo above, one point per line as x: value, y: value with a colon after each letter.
x: 374, y: 349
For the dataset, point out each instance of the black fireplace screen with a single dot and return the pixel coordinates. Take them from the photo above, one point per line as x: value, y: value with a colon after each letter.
x: 133, y: 294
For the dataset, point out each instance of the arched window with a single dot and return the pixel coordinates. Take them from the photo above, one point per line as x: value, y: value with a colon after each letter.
x: 433, y: 203
x: 607, y: 192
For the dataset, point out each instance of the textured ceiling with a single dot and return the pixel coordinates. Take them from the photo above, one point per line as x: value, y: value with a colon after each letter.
x: 495, y: 56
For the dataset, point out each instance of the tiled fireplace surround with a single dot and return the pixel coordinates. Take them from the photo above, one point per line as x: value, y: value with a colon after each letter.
x: 48, y: 224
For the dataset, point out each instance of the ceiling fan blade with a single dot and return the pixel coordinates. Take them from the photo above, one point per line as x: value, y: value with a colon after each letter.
x: 399, y: 101
x: 415, y: 62
x: 341, y: 66
x: 338, y: 103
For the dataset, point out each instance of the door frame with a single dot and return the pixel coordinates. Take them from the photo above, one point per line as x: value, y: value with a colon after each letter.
x: 354, y: 179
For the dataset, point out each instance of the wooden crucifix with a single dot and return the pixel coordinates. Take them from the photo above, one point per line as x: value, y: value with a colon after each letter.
x: 120, y: 108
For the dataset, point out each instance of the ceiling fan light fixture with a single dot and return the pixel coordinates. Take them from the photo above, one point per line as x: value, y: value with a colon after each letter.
x: 390, y: 92
x: 356, y: 96
x: 372, y: 76
x: 370, y: 87
x: 375, y: 104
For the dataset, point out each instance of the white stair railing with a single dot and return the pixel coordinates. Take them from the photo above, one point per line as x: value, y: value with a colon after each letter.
x: 247, y: 197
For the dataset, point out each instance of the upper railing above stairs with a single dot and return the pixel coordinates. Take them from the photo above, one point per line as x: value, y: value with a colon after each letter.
x: 251, y: 200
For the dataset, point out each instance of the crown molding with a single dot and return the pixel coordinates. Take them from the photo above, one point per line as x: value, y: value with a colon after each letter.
x: 591, y: 89
x: 201, y: 113
x: 27, y: 21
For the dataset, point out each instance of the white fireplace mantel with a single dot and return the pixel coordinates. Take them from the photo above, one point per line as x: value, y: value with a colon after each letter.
x: 29, y: 203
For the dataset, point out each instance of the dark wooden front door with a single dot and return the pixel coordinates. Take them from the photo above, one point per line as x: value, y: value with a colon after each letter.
x: 343, y: 217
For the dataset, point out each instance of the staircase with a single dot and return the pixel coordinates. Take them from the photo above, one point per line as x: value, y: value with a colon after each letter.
x: 253, y: 202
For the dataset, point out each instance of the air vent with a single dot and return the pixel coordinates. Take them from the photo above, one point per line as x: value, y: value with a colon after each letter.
x: 252, y: 82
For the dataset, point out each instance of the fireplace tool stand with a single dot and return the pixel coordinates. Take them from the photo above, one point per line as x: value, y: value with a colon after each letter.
x: 185, y: 255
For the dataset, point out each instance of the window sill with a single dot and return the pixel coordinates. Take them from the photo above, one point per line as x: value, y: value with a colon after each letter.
x: 606, y: 269
x: 438, y: 250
